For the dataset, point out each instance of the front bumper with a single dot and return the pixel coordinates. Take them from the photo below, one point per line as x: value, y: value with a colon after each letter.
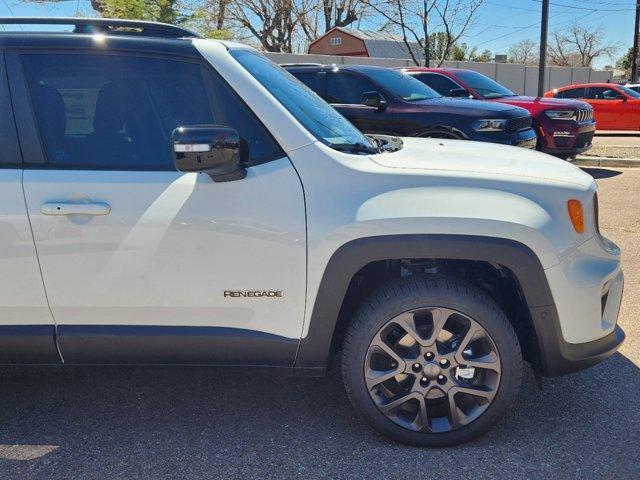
x: 566, y: 140
x: 558, y: 357
x: 581, y: 329
x: 525, y: 138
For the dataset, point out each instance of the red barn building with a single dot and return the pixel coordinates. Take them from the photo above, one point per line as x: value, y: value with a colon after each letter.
x: 350, y: 42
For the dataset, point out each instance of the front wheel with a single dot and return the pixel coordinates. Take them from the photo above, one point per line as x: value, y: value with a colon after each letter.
x: 431, y: 361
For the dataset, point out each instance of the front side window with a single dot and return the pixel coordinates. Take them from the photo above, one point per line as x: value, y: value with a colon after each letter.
x: 347, y: 88
x: 313, y: 113
x: 113, y: 112
x: 484, y: 85
x: 604, y: 93
x: 402, y: 85
x: 441, y: 84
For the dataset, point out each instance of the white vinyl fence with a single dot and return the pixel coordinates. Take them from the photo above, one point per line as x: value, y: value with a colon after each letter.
x: 521, y: 79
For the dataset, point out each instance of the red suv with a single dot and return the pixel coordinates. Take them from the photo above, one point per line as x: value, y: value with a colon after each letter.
x: 565, y: 127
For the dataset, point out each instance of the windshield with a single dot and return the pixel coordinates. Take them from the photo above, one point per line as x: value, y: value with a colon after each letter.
x: 629, y: 91
x: 402, y: 85
x: 317, y: 116
x: 484, y: 85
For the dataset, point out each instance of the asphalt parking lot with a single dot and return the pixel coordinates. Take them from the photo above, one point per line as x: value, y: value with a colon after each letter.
x: 107, y: 423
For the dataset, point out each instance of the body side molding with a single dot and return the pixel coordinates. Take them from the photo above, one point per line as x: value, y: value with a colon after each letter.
x: 173, y: 345
x: 28, y: 344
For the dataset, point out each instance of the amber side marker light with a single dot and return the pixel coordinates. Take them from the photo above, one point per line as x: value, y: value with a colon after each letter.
x: 576, y: 215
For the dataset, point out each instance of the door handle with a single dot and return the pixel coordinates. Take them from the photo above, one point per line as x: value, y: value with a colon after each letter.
x: 65, y: 208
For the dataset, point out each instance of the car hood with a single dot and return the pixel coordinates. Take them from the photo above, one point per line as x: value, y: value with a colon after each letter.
x: 467, y: 106
x: 542, y: 103
x: 496, y: 161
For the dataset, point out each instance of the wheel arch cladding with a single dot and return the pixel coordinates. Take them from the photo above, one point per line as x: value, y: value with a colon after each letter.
x: 350, y: 258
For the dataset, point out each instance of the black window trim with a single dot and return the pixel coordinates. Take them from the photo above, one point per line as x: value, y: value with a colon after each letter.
x: 30, y: 139
x: 13, y: 148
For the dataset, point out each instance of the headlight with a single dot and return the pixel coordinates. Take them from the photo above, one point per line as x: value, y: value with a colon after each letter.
x: 560, y: 114
x: 489, y: 125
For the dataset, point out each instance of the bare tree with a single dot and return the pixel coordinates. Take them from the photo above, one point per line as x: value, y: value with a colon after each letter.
x: 558, y: 51
x: 524, y: 52
x: 579, y: 47
x: 415, y: 19
x: 318, y: 17
x: 272, y: 22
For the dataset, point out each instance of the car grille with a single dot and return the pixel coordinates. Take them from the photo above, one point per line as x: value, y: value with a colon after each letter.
x: 516, y: 124
x: 584, y: 115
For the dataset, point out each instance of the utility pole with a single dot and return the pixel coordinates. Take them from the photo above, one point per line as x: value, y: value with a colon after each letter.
x: 542, y: 62
x: 634, y: 50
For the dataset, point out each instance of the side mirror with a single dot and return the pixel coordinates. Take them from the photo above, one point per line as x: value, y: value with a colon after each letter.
x: 213, y: 149
x: 459, y: 93
x: 373, y: 99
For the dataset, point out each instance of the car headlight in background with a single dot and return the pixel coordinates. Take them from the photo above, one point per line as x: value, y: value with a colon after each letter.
x: 489, y: 125
x: 560, y: 114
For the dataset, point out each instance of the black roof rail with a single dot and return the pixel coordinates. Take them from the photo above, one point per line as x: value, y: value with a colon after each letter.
x: 105, y: 26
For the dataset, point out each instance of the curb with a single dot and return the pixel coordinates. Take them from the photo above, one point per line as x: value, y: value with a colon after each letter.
x: 607, y: 162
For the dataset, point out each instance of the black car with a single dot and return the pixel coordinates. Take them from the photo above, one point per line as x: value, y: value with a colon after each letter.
x: 385, y: 101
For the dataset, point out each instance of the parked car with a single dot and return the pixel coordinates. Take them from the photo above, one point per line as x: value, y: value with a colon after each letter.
x: 175, y: 200
x: 565, y: 127
x: 383, y: 101
x: 615, y: 107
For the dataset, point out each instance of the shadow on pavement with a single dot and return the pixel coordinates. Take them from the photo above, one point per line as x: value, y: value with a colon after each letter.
x: 109, y: 422
x: 601, y: 172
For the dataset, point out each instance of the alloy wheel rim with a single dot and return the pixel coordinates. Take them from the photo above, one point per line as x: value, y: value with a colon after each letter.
x: 432, y: 369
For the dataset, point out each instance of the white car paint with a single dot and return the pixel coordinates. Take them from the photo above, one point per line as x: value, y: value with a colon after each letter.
x: 22, y: 297
x: 444, y: 187
x: 170, y: 247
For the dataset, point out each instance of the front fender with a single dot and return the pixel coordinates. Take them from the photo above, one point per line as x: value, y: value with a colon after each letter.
x: 315, y: 347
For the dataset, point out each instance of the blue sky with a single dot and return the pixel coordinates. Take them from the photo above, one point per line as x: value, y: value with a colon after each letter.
x: 499, y: 22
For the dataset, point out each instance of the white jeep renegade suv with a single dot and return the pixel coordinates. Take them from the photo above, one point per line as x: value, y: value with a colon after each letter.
x: 173, y: 200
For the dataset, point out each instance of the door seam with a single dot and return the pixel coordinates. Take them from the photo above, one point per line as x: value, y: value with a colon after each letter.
x: 44, y: 287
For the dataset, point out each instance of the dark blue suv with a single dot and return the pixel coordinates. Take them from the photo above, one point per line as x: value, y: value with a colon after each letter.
x: 385, y: 101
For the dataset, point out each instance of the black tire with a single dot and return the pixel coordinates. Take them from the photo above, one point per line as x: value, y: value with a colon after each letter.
x: 416, y: 292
